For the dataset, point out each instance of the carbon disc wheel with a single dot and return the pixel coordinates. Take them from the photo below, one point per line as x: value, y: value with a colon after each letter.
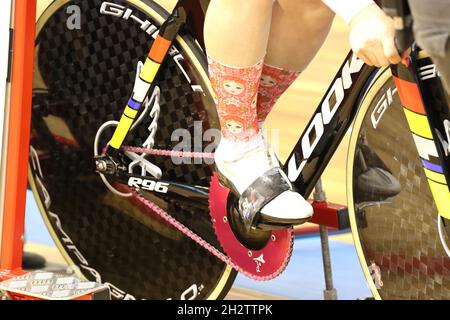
x: 83, y: 79
x: 392, y: 212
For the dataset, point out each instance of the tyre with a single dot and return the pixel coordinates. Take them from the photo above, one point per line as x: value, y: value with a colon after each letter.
x: 83, y: 78
x: 392, y: 212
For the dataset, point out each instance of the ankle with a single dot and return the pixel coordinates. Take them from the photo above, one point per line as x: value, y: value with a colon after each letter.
x: 230, y: 150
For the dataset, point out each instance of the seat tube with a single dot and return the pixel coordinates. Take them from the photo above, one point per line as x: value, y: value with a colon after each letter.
x: 147, y: 75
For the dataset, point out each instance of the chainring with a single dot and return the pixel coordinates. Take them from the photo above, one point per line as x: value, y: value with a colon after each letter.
x: 262, y: 259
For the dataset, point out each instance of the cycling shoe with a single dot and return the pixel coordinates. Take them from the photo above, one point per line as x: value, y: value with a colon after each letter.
x: 266, y: 196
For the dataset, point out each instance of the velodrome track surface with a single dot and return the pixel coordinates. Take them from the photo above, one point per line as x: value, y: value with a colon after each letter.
x: 303, y: 279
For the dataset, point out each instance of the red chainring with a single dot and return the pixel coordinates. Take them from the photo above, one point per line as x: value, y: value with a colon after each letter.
x: 261, y: 265
x: 264, y: 264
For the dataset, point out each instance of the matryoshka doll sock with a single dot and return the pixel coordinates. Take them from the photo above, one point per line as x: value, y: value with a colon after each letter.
x: 274, y: 82
x: 236, y: 90
x: 243, y: 156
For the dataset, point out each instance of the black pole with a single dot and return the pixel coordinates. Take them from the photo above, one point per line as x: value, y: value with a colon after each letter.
x: 330, y: 292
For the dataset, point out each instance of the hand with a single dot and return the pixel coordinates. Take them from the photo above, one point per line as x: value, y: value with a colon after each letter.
x: 372, y: 37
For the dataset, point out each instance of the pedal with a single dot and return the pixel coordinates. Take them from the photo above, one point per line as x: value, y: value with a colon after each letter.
x: 40, y: 285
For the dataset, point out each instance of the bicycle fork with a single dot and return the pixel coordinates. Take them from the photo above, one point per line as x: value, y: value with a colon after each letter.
x: 426, y: 119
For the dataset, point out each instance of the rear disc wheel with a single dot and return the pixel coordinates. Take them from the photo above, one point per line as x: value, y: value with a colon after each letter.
x: 83, y: 78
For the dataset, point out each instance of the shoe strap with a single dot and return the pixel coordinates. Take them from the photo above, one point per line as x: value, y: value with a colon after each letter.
x: 262, y: 191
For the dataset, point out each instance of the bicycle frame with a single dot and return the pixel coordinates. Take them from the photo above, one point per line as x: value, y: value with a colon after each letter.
x: 324, y: 132
x: 327, y: 126
x: 425, y: 109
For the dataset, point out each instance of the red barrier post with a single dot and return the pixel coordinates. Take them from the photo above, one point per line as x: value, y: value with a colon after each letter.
x: 18, y: 137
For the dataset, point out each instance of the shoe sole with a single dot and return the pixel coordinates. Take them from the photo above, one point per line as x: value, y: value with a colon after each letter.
x: 274, y: 223
x: 263, y: 222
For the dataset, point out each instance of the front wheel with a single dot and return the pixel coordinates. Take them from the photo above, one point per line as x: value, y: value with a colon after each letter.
x: 392, y: 212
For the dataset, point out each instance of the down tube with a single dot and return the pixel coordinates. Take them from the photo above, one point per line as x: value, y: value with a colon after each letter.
x: 328, y: 125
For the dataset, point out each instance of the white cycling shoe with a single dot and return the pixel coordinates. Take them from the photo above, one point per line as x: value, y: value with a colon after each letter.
x: 267, y: 197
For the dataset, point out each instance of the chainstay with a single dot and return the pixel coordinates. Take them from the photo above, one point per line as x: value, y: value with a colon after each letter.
x: 185, y: 230
x: 169, y: 153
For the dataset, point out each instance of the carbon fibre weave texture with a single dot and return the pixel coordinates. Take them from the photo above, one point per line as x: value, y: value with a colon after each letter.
x: 88, y: 75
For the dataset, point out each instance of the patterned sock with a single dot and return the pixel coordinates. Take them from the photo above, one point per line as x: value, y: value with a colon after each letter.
x: 274, y: 82
x: 236, y: 91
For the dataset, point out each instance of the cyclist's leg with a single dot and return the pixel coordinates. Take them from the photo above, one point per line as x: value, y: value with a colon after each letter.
x: 236, y: 36
x: 236, y: 32
x: 432, y: 32
x: 298, y: 30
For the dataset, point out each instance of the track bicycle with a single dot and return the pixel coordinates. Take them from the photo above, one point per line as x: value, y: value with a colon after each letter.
x: 153, y: 222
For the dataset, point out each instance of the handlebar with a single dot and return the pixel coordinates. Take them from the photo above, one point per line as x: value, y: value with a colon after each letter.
x: 400, y: 12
